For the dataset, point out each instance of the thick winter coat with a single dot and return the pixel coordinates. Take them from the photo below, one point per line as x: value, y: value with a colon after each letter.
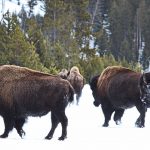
x: 25, y: 92
x: 116, y: 89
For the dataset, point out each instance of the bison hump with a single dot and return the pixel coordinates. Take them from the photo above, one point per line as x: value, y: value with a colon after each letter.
x: 108, y: 74
x: 12, y: 72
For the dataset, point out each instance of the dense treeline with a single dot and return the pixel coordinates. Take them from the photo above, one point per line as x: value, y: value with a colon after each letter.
x: 91, y: 34
x: 124, y: 29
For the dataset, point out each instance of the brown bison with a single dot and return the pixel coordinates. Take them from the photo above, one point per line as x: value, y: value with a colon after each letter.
x: 25, y: 92
x: 77, y: 81
x: 117, y: 89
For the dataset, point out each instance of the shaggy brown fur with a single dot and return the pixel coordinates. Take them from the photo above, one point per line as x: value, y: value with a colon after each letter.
x: 25, y: 92
x: 116, y: 89
x: 77, y: 81
x: 108, y: 74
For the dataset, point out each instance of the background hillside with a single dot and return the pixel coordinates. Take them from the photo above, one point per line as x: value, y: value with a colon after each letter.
x: 92, y: 34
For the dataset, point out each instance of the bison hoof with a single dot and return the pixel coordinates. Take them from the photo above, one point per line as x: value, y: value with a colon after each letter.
x: 139, y: 125
x: 118, y: 122
x: 21, y: 133
x: 3, y: 136
x: 61, y: 138
x: 48, y: 137
x: 105, y: 125
x: 96, y: 104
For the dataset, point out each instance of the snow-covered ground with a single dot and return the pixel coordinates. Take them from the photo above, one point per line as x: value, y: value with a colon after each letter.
x: 85, y: 130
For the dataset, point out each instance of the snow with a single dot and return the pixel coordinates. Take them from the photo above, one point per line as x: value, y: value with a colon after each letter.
x: 84, y: 130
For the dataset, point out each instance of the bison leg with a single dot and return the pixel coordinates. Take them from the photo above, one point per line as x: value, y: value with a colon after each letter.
x: 107, y: 114
x: 117, y: 116
x: 64, y: 122
x: 55, y: 121
x: 57, y: 117
x: 18, y: 125
x: 78, y: 95
x: 9, y: 124
x: 140, y: 122
x: 77, y: 98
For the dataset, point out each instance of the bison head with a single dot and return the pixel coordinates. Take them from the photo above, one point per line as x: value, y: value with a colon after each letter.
x: 63, y: 74
x: 145, y: 88
x: 93, y: 86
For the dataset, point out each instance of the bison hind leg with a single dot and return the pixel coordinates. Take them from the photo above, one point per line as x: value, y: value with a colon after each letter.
x: 118, y: 115
x: 78, y: 95
x: 18, y: 125
x: 58, y: 117
x: 55, y: 121
x: 107, y: 114
x: 77, y: 98
x: 64, y: 123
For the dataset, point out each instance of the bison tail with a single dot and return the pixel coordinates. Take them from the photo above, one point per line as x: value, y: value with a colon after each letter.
x: 71, y: 92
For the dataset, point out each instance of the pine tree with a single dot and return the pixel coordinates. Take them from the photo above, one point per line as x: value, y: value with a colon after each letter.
x: 145, y: 25
x: 17, y: 50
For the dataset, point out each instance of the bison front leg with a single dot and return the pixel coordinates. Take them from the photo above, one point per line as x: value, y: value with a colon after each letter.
x: 9, y: 124
x: 64, y: 123
x: 107, y: 114
x: 55, y: 121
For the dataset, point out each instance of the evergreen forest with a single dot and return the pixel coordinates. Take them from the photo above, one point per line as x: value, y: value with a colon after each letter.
x: 90, y: 34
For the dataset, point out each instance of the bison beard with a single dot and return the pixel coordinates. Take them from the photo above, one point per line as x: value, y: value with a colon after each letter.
x: 25, y: 92
x: 116, y: 89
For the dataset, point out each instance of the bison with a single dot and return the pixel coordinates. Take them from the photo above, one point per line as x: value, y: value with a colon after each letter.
x: 76, y: 80
x: 116, y: 89
x: 25, y: 92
